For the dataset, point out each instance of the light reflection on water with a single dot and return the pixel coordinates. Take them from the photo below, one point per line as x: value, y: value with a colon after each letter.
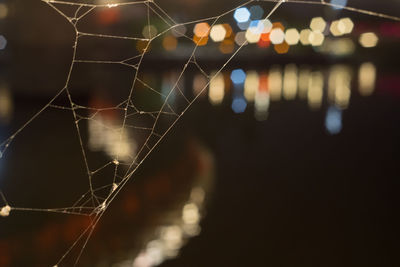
x: 258, y: 90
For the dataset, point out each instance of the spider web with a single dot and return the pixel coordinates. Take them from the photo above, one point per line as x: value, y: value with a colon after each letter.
x: 160, y: 119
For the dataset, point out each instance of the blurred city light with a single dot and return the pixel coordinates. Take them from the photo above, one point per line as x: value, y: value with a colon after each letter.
x: 256, y: 12
x: 318, y: 24
x: 315, y: 90
x: 3, y: 11
x: 238, y: 76
x: 290, y: 82
x: 304, y: 81
x: 368, y: 39
x: 338, y: 4
x: 305, y: 37
x: 170, y: 43
x: 218, y: 33
x: 316, y: 38
x: 179, y: 30
x: 240, y: 38
x: 275, y: 83
x: 292, y: 36
x: 251, y: 85
x: 216, y: 92
x: 345, y: 25
x: 277, y: 36
x: 149, y: 31
x: 201, y: 30
x: 333, y: 120
x: 366, y: 78
x: 242, y: 14
x: 239, y: 105
x: 3, y: 42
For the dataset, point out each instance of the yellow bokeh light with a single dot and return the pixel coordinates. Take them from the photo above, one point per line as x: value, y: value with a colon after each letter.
x: 282, y: 48
x: 278, y: 25
x: 201, y: 29
x: 3, y: 11
x: 305, y: 37
x: 368, y: 39
x: 316, y: 38
x: 335, y: 29
x: 318, y: 24
x: 216, y: 91
x: 292, y: 36
x: 275, y: 83
x: 227, y: 46
x: 366, y: 78
x: 277, y: 36
x: 315, y: 90
x: 200, y: 41
x: 228, y: 30
x: 252, y: 36
x: 170, y: 43
x: 345, y: 25
x: 290, y: 82
x: 142, y: 46
x: 304, y: 78
x: 218, y: 33
x: 251, y: 85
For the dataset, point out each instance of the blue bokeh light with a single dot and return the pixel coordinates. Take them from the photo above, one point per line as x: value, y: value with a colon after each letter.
x: 339, y: 4
x: 242, y: 14
x: 238, y: 76
x: 256, y: 12
x: 239, y: 105
x: 333, y: 120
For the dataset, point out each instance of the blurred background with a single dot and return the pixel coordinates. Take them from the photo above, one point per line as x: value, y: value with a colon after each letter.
x: 289, y: 157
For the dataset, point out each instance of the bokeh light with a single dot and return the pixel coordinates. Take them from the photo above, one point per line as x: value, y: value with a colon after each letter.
x: 149, y: 31
x: 3, y: 42
x: 316, y: 38
x: 368, y: 39
x: 256, y: 12
x: 239, y: 105
x: 216, y: 91
x: 282, y: 48
x: 305, y: 37
x: 318, y: 24
x: 170, y: 43
x: 345, y: 25
x: 366, y: 78
x: 277, y: 36
x: 238, y: 76
x: 333, y: 120
x: 292, y: 36
x: 338, y: 4
x: 3, y: 10
x: 241, y: 14
x: 218, y: 33
x: 201, y: 29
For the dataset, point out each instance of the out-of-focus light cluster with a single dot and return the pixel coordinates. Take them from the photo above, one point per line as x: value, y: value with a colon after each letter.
x: 170, y: 238
x: 105, y: 135
x: 288, y: 83
x: 201, y: 32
